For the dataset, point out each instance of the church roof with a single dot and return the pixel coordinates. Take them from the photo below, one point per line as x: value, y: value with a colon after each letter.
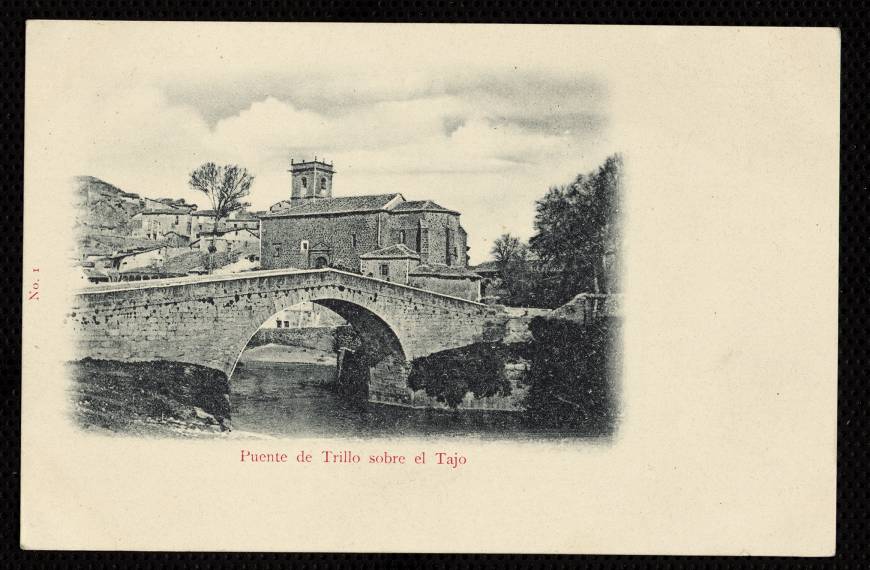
x: 446, y: 271
x: 421, y: 205
x: 341, y: 205
x: 396, y: 251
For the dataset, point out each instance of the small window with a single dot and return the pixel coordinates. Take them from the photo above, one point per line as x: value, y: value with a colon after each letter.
x: 304, y: 182
x: 385, y: 270
x: 323, y: 183
x: 278, y: 323
x: 277, y: 249
x: 286, y: 324
x: 353, y: 240
x: 303, y: 246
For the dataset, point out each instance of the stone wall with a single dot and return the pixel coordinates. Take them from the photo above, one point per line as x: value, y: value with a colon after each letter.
x: 397, y: 269
x: 453, y: 286
x: 281, y: 239
x: 322, y: 338
x: 434, y: 246
x: 586, y: 307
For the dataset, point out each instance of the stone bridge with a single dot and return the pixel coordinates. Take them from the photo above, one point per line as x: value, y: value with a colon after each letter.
x: 209, y: 320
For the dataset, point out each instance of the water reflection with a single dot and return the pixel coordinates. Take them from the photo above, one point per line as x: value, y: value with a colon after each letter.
x: 294, y: 399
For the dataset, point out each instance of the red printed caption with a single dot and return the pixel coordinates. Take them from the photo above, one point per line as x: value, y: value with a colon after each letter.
x: 452, y: 460
x: 33, y: 293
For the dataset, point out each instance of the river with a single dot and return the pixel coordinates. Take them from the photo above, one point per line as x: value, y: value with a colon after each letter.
x: 288, y: 399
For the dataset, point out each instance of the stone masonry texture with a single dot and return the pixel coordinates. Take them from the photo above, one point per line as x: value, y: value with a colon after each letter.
x: 209, y: 320
x: 437, y: 236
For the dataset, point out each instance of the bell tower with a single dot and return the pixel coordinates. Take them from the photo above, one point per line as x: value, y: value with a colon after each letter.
x: 310, y: 180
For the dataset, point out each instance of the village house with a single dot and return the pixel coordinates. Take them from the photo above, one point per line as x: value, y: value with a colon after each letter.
x: 201, y: 221
x: 398, y: 264
x: 129, y: 265
x: 393, y: 263
x: 129, y: 260
x: 304, y: 315
x: 314, y: 229
x: 227, y: 240
x: 157, y: 220
x: 240, y: 219
x: 92, y: 274
x: 160, y: 219
x: 449, y: 280
x: 204, y: 221
x: 174, y: 239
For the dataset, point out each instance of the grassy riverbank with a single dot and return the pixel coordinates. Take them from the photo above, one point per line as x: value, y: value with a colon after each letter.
x: 149, y: 398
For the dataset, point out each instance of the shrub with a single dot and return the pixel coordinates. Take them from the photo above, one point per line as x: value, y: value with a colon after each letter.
x: 449, y: 375
x: 571, y: 373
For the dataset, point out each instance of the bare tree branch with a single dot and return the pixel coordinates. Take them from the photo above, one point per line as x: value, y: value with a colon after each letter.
x: 225, y: 186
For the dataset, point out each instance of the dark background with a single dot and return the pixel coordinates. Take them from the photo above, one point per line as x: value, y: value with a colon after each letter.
x: 852, y: 531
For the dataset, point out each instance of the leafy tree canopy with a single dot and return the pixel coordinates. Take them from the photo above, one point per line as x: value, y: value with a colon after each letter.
x: 578, y: 232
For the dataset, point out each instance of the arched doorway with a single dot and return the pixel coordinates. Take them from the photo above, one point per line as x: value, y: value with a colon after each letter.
x: 319, y: 255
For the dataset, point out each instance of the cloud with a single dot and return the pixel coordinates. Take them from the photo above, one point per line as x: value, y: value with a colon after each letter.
x: 328, y: 92
x: 275, y: 125
x: 339, y: 91
x: 486, y: 144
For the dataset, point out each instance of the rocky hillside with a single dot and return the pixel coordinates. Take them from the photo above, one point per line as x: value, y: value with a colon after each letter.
x: 104, y: 226
x: 103, y: 217
x: 103, y: 209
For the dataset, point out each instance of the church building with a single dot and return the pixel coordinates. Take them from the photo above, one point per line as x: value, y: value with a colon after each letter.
x: 314, y: 229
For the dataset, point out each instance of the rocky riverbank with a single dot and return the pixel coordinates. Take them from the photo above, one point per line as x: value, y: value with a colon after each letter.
x: 154, y: 398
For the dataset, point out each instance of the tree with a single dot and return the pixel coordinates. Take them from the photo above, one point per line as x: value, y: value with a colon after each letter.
x: 225, y: 187
x: 578, y: 230
x: 505, y: 248
x: 512, y: 258
x: 450, y: 374
x: 571, y: 375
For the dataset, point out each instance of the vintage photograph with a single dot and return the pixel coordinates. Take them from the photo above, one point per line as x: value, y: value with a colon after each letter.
x: 430, y: 288
x: 318, y: 249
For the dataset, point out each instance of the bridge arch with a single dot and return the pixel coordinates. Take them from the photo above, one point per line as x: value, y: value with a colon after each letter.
x: 209, y: 320
x: 379, y: 339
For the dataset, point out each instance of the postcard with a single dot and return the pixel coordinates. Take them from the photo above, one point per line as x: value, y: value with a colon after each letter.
x: 430, y: 288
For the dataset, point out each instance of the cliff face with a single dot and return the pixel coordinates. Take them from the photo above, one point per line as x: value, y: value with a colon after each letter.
x: 103, y: 208
x: 149, y: 398
x: 103, y: 217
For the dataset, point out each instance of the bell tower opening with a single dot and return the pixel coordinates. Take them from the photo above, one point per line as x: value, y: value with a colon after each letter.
x: 310, y: 180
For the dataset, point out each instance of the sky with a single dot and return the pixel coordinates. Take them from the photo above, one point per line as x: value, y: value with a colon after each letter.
x: 471, y: 117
